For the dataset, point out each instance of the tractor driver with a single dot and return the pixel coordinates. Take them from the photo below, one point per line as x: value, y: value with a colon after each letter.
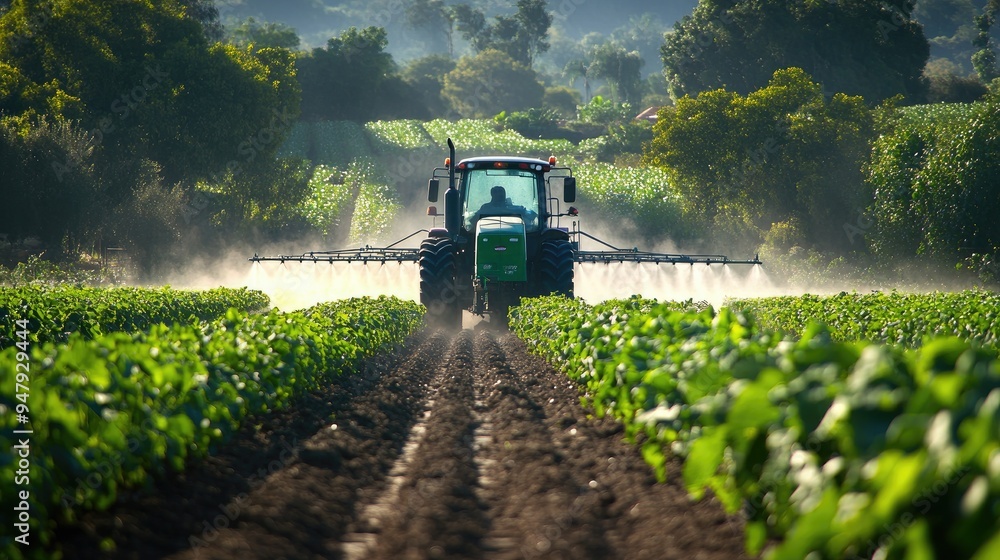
x: 500, y: 204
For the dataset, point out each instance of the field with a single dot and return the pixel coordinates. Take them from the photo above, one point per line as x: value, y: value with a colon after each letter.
x: 366, y: 177
x: 349, y: 429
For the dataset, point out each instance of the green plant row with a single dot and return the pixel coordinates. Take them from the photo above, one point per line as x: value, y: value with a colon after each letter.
x: 54, y: 312
x: 902, y: 318
x: 833, y: 449
x: 641, y: 196
x: 376, y: 204
x: 121, y: 409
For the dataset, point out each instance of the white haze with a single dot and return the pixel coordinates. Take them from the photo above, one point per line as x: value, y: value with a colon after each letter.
x: 294, y: 285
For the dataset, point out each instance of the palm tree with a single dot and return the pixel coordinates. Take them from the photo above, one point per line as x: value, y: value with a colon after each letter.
x: 578, y: 68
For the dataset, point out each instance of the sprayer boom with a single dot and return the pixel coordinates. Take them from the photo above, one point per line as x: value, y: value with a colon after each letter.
x: 617, y: 254
x: 363, y: 255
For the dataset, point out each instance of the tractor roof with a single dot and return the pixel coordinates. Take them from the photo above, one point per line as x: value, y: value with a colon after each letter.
x: 508, y: 159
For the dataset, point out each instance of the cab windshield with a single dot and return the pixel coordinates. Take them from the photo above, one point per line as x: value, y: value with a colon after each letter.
x: 520, y: 189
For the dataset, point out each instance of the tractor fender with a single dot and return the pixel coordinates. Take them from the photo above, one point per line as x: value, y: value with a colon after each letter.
x: 553, y: 234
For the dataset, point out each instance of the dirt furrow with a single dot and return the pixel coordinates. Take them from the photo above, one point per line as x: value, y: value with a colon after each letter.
x: 303, y: 510
x: 540, y: 508
x: 437, y: 512
x: 639, y: 517
x: 286, y: 484
x: 461, y: 446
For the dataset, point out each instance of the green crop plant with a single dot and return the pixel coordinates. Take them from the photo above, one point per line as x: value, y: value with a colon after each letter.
x: 113, y: 412
x: 834, y: 449
x: 54, y: 313
x: 894, y: 317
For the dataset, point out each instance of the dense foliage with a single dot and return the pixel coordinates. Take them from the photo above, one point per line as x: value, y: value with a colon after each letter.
x: 151, y: 402
x: 934, y: 179
x: 638, y: 202
x: 354, y: 70
x: 782, y: 153
x: 54, y: 313
x: 111, y: 112
x: 839, y: 449
x: 491, y: 82
x: 872, y: 49
x: 899, y: 318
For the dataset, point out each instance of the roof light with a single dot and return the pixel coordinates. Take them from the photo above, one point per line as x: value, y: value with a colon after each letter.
x: 552, y: 160
x: 447, y: 162
x: 500, y: 165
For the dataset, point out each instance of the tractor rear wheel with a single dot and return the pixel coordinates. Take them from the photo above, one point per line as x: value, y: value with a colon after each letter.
x: 438, y: 290
x: 555, y: 268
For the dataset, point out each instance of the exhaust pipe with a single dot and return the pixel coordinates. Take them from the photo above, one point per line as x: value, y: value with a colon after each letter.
x: 452, y: 213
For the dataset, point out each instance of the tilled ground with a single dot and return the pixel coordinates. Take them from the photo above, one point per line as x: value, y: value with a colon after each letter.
x: 459, y: 446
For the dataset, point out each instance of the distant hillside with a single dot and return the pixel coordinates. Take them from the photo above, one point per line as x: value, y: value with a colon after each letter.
x: 947, y: 23
x: 317, y: 20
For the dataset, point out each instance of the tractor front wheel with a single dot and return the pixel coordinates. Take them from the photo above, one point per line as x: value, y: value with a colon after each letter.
x: 555, y: 268
x: 438, y: 289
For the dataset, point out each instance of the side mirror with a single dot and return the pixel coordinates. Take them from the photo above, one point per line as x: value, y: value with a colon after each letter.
x: 569, y: 189
x: 432, y: 190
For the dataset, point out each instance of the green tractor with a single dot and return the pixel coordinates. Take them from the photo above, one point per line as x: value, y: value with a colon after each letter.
x: 498, y: 243
x: 501, y: 240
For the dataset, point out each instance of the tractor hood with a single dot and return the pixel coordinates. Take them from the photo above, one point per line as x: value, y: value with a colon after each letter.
x: 501, y: 251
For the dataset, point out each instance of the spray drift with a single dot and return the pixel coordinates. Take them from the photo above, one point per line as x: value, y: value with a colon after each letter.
x: 501, y: 241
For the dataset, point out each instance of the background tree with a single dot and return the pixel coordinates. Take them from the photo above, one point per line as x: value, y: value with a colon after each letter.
x: 426, y: 77
x: 117, y: 108
x: 946, y: 83
x: 985, y: 59
x: 165, y: 93
x: 343, y: 80
x: 949, y: 28
x: 784, y: 153
x: 521, y: 36
x: 436, y: 20
x: 644, y: 34
x: 576, y: 69
x: 491, y: 82
x: 264, y: 34
x: 207, y: 14
x: 859, y: 47
x: 622, y: 70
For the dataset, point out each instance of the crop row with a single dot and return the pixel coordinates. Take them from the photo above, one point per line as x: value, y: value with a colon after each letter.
x: 52, y: 312
x: 633, y: 195
x: 902, y: 318
x: 118, y: 410
x: 375, y: 205
x: 836, y: 449
x: 388, y: 155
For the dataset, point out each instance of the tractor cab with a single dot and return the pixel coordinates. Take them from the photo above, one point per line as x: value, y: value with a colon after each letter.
x: 498, y: 244
x: 503, y: 188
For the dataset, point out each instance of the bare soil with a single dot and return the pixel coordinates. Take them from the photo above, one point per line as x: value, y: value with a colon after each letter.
x: 456, y: 446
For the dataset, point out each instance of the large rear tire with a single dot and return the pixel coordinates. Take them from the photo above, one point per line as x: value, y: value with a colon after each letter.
x: 555, y: 268
x: 438, y: 287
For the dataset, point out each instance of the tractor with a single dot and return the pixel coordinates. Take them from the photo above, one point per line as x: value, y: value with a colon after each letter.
x: 501, y: 239
x: 498, y: 243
